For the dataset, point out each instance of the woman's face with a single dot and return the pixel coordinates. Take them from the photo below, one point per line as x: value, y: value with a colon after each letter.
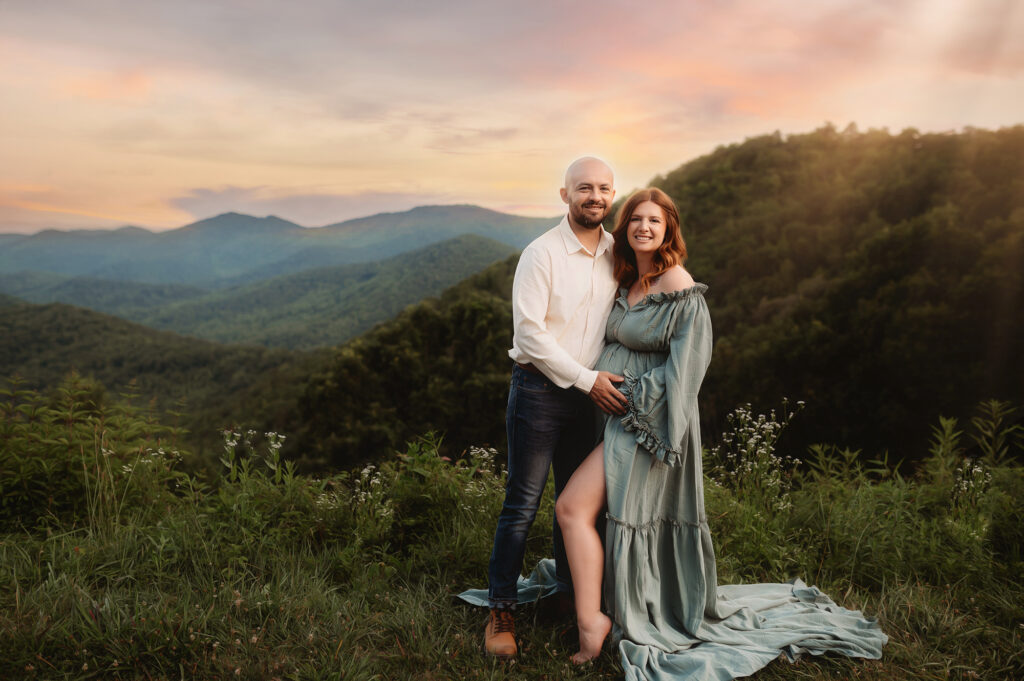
x: 646, y: 228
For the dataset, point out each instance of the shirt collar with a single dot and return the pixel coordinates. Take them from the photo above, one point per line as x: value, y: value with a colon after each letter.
x: 572, y: 244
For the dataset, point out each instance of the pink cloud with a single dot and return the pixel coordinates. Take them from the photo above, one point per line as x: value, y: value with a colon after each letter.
x: 989, y: 40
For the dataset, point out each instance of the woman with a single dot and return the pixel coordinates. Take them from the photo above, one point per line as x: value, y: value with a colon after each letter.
x: 658, y: 563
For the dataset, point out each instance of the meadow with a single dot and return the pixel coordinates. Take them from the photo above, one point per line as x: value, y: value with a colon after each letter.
x: 118, y: 563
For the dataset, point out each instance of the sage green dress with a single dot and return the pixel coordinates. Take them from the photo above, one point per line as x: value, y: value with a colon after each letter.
x: 671, y: 619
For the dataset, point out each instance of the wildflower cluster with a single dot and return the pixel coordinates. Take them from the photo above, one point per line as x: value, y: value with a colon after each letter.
x: 371, y: 499
x: 237, y: 468
x: 329, y: 500
x: 484, y: 480
x: 970, y: 481
x: 148, y: 458
x: 746, y: 461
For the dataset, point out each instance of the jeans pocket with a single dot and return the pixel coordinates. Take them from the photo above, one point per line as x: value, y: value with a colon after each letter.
x: 537, y: 385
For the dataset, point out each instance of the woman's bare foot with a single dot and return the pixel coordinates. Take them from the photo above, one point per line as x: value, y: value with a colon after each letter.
x: 593, y: 632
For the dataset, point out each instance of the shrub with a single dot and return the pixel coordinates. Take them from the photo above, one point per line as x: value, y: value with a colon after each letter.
x: 71, y: 456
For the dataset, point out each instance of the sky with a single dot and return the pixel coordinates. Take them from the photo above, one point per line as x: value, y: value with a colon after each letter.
x: 157, y: 114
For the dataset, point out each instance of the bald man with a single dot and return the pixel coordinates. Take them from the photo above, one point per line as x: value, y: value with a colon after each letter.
x: 561, y: 296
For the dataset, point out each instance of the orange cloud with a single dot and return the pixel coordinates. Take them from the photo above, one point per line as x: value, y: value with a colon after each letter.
x: 49, y: 208
x: 125, y: 84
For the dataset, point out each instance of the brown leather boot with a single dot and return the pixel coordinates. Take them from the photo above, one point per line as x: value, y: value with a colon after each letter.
x: 500, y: 634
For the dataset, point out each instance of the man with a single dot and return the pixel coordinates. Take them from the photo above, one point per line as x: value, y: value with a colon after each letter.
x: 561, y: 296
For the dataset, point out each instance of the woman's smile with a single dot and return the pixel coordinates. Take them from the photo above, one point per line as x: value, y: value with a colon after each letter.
x: 646, y: 229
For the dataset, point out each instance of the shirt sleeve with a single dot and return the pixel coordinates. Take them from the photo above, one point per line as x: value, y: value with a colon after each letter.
x: 531, y: 293
x: 662, y: 402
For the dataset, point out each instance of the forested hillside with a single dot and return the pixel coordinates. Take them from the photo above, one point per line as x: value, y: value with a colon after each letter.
x: 127, y: 299
x: 317, y: 307
x: 203, y: 382
x: 875, y: 276
x: 441, y: 365
x: 326, y: 306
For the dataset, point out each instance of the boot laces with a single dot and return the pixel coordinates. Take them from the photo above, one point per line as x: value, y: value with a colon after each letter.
x: 503, y: 621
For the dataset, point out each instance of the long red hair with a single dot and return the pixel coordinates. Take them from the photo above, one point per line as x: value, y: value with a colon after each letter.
x: 672, y: 251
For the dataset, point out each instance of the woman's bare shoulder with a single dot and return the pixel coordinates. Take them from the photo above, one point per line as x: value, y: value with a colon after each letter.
x: 675, y: 279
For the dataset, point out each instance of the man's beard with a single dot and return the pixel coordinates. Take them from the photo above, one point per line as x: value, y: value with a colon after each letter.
x: 584, y: 220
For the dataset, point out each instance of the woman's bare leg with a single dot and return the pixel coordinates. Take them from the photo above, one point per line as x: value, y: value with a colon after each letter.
x: 577, y: 509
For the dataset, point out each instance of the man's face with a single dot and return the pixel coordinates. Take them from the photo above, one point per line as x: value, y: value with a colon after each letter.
x: 589, y: 191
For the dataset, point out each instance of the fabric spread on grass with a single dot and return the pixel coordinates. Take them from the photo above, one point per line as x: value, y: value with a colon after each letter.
x: 671, y: 619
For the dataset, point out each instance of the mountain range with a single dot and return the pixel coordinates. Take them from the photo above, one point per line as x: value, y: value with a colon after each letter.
x: 233, y: 249
x: 317, y: 307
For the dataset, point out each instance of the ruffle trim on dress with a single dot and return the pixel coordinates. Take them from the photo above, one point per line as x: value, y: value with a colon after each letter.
x: 666, y: 296
x: 654, y: 524
x: 645, y: 436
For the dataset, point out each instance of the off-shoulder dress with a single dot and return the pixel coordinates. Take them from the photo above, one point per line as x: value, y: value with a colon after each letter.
x: 671, y: 618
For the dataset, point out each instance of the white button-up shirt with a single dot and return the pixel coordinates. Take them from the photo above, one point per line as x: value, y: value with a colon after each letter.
x: 561, y: 297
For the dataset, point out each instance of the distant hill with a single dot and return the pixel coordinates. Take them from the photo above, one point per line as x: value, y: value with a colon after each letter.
x: 76, y: 252
x: 328, y: 305
x: 121, y: 298
x: 200, y: 253
x: 875, y: 276
x: 42, y: 343
x: 314, y: 308
x: 232, y: 249
x: 380, y: 236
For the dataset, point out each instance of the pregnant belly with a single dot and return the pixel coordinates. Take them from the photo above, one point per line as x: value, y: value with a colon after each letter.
x: 618, y: 359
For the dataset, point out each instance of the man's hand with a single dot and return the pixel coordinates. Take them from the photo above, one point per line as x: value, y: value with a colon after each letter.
x: 606, y: 396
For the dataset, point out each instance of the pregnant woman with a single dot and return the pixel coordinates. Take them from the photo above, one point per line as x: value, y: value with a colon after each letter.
x: 661, y: 595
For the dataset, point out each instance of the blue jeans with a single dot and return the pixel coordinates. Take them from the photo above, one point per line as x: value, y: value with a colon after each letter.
x: 547, y: 427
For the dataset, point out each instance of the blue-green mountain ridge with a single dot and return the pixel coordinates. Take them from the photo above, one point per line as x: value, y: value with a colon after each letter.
x: 232, y: 248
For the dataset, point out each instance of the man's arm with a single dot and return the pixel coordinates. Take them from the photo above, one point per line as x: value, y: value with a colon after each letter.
x: 531, y: 292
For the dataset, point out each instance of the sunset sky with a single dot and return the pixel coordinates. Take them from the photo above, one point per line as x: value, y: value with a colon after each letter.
x: 116, y: 112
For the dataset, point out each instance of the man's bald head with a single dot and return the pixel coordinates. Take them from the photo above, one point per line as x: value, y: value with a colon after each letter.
x: 589, y: 190
x: 586, y: 166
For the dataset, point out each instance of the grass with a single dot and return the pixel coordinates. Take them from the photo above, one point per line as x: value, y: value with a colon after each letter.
x: 143, y: 572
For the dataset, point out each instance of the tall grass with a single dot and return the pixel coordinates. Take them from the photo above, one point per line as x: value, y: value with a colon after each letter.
x: 116, y: 564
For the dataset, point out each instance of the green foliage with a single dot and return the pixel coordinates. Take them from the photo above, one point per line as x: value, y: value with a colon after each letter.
x: 1004, y: 504
x: 437, y: 366
x: 877, y: 276
x: 262, y: 572
x: 204, y: 383
x: 71, y: 455
x: 992, y: 434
